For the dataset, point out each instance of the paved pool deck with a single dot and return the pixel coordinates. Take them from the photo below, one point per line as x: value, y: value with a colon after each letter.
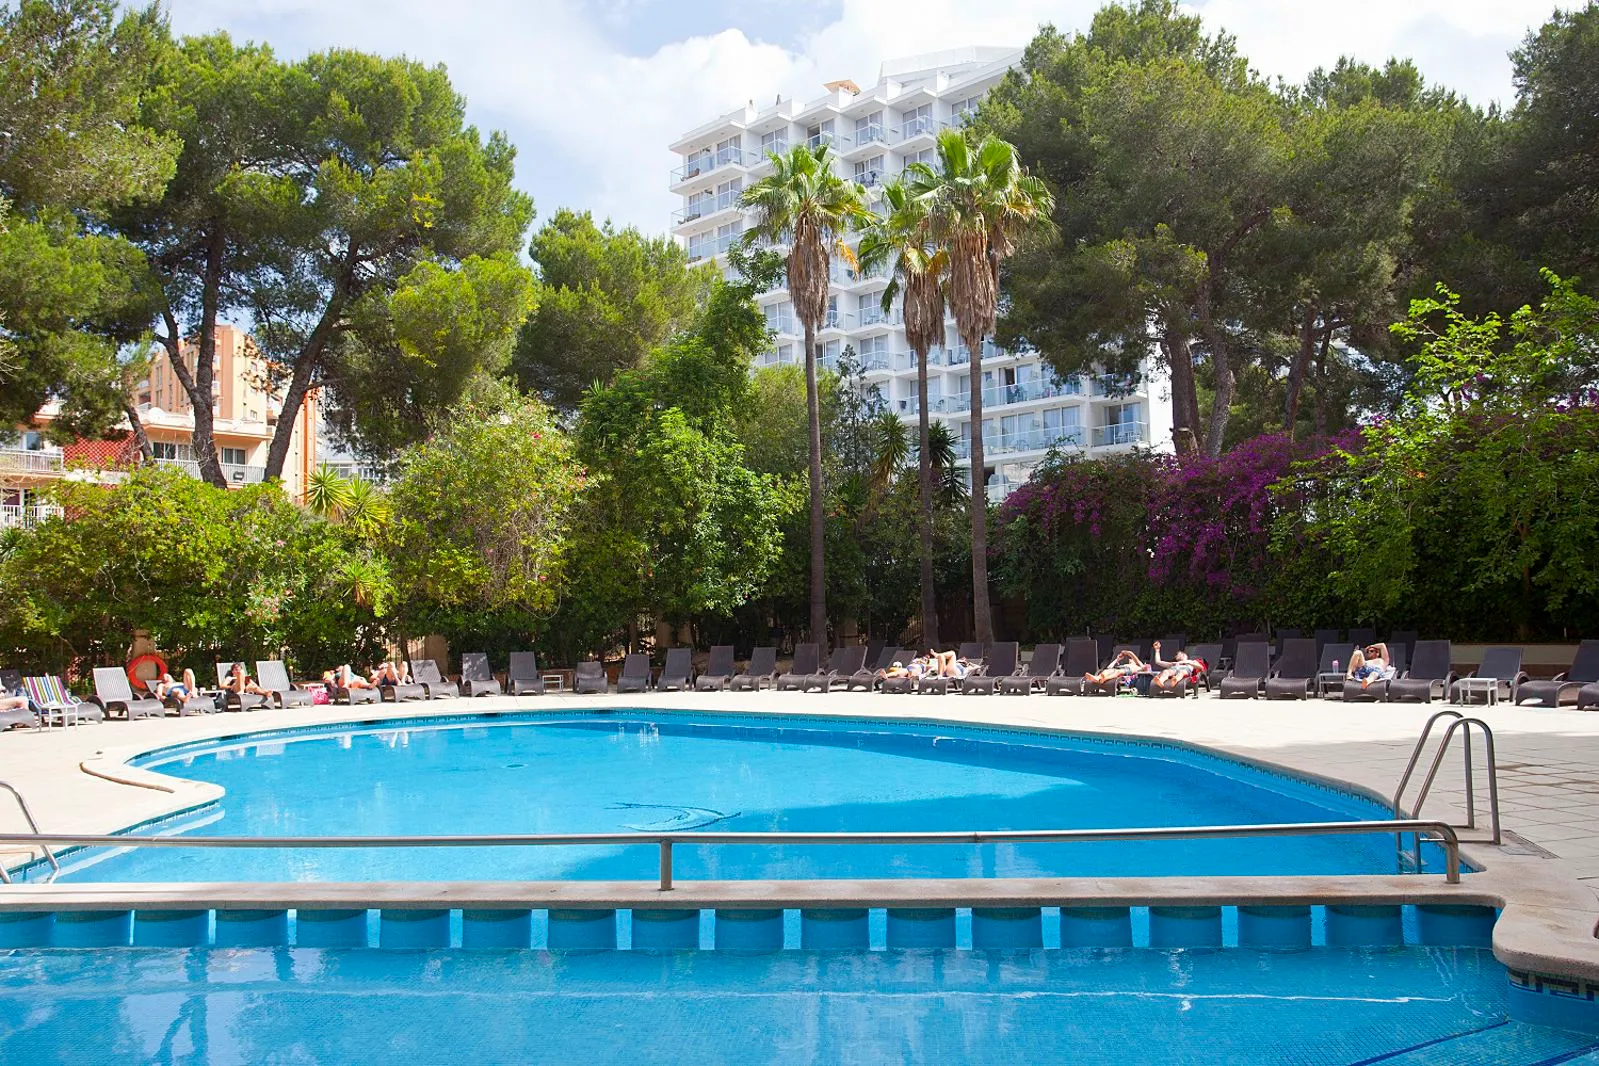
x: 77, y: 781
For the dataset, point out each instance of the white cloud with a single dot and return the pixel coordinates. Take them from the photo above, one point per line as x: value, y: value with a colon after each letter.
x: 591, y: 122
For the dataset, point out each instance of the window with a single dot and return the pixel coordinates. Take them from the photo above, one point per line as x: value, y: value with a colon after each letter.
x: 234, y: 456
x: 32, y: 441
x: 917, y: 120
x: 869, y: 128
x: 962, y: 112
x: 774, y: 143
x: 869, y: 172
x: 728, y: 151
x: 785, y: 353
x: 162, y: 449
x: 819, y: 133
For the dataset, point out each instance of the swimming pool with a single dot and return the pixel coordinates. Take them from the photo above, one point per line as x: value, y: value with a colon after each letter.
x: 643, y: 772
x: 1087, y: 1007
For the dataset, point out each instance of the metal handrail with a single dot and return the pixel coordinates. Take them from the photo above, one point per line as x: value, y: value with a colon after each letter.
x: 664, y: 841
x: 55, y: 867
x: 1465, y: 724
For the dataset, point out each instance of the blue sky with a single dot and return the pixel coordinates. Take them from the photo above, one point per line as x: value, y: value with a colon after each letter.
x: 592, y: 91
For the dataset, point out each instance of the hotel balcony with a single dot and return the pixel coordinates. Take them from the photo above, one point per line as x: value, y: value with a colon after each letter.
x: 26, y: 516
x: 30, y: 462
x: 698, y: 168
x: 703, y: 207
x: 233, y: 473
x: 1120, y: 433
x: 717, y: 246
x: 926, y: 126
x: 867, y: 137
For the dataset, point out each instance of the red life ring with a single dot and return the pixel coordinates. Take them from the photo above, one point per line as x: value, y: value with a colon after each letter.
x: 138, y: 680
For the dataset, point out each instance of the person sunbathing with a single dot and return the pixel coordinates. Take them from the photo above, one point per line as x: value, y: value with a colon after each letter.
x: 166, y: 688
x: 389, y: 673
x: 1371, y: 663
x: 345, y: 678
x: 1125, y: 664
x: 949, y: 664
x: 238, y: 680
x: 1174, y: 673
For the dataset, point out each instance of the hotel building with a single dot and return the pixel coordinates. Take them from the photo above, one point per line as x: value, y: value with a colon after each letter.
x: 876, y: 133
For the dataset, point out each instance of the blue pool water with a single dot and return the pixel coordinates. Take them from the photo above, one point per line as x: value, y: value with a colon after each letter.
x: 1399, y: 1007
x: 639, y: 771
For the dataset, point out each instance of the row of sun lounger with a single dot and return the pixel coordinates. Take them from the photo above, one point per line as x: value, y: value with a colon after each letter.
x: 1300, y: 671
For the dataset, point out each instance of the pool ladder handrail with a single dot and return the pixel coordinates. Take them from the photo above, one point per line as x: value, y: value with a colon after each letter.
x: 1443, y: 831
x: 55, y: 866
x: 1465, y: 725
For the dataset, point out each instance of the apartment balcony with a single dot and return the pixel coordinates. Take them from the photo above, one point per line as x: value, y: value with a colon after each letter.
x: 763, y: 157
x: 782, y: 324
x: 927, y: 126
x: 871, y: 178
x: 1114, y: 385
x: 708, y: 248
x: 867, y: 136
x: 876, y: 364
x: 26, y: 461
x: 26, y: 516
x: 1030, y: 391
x: 705, y: 206
x: 1038, y: 439
x: 874, y: 315
x: 1120, y: 433
x: 707, y: 164
x: 1000, y: 487
x: 359, y: 471
x: 816, y: 140
x: 950, y: 405
x: 233, y: 473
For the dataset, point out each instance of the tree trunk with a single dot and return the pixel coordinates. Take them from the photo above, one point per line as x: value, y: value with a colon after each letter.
x: 924, y: 463
x: 1220, y: 412
x: 1298, y: 368
x: 1184, y: 394
x: 813, y: 412
x: 306, y: 364
x: 203, y: 442
x: 982, y: 617
x: 1321, y: 382
x: 140, y: 437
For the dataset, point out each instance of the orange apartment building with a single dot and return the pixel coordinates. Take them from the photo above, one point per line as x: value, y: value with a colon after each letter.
x: 244, y: 413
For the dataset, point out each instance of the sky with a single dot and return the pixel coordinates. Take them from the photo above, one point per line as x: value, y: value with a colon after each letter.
x: 592, y: 91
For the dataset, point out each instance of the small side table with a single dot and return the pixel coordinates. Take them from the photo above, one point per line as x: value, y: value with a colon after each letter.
x: 1473, y: 687
x: 1332, y: 681
x: 554, y: 682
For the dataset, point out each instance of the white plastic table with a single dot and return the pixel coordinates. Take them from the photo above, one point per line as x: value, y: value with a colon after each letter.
x: 1473, y: 687
x: 555, y: 682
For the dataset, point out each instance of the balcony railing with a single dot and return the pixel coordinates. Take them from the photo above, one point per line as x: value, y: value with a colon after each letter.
x: 873, y: 363
x: 26, y: 516
x: 1028, y: 391
x: 716, y: 246
x: 917, y: 127
x: 27, y: 461
x: 359, y: 471
x: 1114, y: 385
x: 233, y: 473
x: 1037, y: 439
x: 874, y: 315
x: 769, y: 149
x: 705, y: 205
x: 1119, y: 433
x: 816, y: 140
x: 707, y: 163
x: 876, y: 133
x: 781, y: 324
x: 870, y: 178
x: 950, y: 405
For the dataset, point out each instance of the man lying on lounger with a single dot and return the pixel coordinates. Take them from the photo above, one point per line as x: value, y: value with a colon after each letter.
x: 239, y: 680
x: 1178, y: 670
x: 178, y: 690
x: 1125, y: 664
x: 1371, y: 663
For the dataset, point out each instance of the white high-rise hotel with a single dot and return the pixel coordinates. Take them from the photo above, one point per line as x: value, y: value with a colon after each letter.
x: 876, y: 133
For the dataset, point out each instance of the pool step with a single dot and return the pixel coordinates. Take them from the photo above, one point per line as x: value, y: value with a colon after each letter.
x: 1497, y: 1044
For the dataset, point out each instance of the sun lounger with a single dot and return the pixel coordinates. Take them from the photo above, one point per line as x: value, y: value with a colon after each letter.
x: 589, y: 677
x: 1251, y: 665
x: 52, y: 702
x: 1502, y: 663
x: 1082, y: 657
x: 425, y: 672
x: 866, y: 677
x: 273, y: 676
x: 355, y: 694
x: 1045, y: 661
x: 407, y: 691
x: 900, y: 684
x: 522, y: 676
x: 236, y: 701
x: 1588, y: 696
x: 1211, y: 675
x: 842, y: 665
x: 11, y: 685
x: 1326, y: 637
x: 718, y: 673
x: 477, y: 677
x: 999, y: 664
x: 1294, y: 676
x: 112, y: 693
x: 807, y: 661
x: 760, y: 672
x: 1200, y: 679
x: 677, y: 673
x: 1401, y: 638
x: 1430, y: 674
x: 1563, y: 687
x: 635, y: 675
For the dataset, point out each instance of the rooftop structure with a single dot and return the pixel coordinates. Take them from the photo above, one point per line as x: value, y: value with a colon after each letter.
x: 876, y: 133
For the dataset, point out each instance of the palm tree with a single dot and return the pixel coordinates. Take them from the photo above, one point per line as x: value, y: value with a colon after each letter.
x: 979, y: 202
x: 805, y: 204
x: 902, y: 235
